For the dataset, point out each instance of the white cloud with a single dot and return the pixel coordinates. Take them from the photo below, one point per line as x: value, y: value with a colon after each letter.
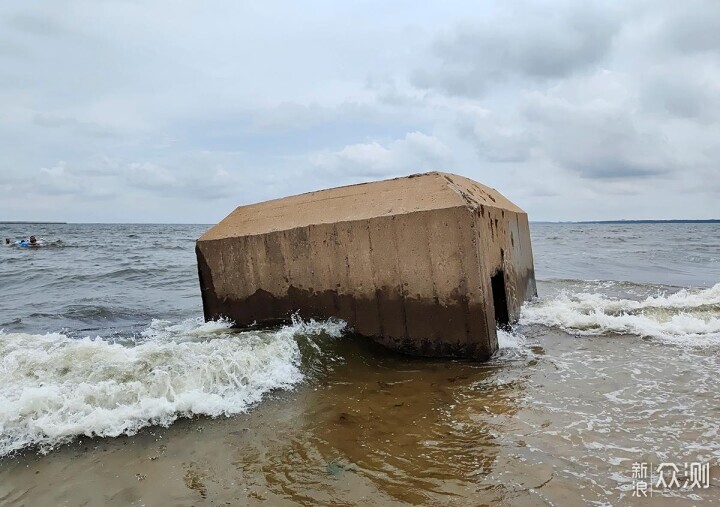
x: 567, y: 108
x: 149, y: 176
x: 416, y: 152
x: 63, y: 181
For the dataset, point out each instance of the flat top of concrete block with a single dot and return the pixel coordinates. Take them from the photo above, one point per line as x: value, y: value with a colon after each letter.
x: 419, y: 192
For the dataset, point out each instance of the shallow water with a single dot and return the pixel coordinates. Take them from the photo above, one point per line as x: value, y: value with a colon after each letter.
x: 615, y: 363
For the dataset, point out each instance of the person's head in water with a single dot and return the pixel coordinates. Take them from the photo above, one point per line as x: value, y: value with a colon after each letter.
x: 33, y: 240
x: 7, y: 241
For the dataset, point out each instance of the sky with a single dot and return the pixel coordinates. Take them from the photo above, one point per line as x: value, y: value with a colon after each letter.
x: 179, y: 111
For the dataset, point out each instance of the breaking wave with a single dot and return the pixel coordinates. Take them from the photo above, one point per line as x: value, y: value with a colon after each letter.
x: 54, y: 387
x: 691, y: 315
x: 510, y: 339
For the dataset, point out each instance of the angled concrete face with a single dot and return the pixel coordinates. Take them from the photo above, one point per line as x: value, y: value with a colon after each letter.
x: 425, y: 265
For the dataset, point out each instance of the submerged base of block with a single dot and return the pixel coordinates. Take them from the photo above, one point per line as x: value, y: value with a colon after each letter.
x: 419, y: 328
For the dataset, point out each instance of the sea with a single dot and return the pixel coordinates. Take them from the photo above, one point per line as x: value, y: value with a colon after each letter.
x: 114, y: 391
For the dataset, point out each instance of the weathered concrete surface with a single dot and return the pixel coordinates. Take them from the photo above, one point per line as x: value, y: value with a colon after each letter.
x: 406, y: 261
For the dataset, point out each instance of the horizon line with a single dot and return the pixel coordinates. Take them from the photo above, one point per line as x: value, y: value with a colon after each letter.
x: 600, y: 221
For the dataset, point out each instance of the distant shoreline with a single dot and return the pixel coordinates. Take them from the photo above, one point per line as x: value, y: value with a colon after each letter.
x: 621, y: 222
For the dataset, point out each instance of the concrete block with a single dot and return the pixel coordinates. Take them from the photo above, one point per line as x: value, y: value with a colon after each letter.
x: 428, y: 264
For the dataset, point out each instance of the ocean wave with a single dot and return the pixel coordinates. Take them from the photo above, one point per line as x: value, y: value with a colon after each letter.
x: 512, y: 345
x: 691, y: 315
x: 510, y: 339
x: 54, y: 388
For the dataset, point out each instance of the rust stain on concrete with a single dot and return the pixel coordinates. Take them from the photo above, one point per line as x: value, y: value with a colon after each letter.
x: 429, y: 264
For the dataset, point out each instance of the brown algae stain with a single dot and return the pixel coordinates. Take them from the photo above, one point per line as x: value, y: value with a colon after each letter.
x: 194, y: 481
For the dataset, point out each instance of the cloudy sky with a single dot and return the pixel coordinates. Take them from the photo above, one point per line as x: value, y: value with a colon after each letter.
x: 178, y: 111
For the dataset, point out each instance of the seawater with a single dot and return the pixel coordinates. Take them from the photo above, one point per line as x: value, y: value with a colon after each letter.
x: 102, y: 342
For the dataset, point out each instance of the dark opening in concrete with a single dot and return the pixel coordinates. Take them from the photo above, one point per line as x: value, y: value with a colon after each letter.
x: 497, y: 281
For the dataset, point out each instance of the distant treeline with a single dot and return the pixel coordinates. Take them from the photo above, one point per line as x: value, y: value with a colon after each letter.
x: 708, y: 221
x: 31, y: 223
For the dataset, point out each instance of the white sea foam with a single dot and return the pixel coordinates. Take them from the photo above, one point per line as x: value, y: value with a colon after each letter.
x: 510, y: 339
x: 54, y: 387
x: 689, y: 315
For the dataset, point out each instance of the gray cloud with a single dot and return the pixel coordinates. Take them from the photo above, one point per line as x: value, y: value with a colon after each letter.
x: 495, y: 138
x: 531, y: 42
x: 84, y: 128
x: 601, y: 141
x: 571, y: 108
x: 36, y: 23
x: 688, y: 89
x: 690, y: 27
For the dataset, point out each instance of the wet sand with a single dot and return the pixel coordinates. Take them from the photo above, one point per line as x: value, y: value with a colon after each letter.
x: 557, y: 421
